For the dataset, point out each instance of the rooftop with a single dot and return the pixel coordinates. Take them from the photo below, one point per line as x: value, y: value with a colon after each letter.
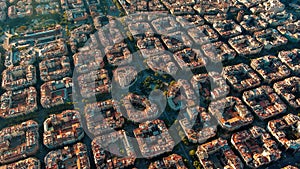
x: 231, y: 113
x: 153, y: 138
x: 56, y: 92
x: 55, y: 68
x: 62, y: 129
x: 198, y: 125
x: 291, y: 58
x: 289, y: 90
x: 114, y: 150
x: 189, y: 59
x: 286, y: 130
x: 75, y: 156
x: 103, y: 117
x: 241, y: 77
x: 270, y: 68
x: 264, y: 102
x: 19, y: 141
x: 256, y: 147
x: 18, y: 77
x: 139, y: 108
x: 94, y: 83
x: 29, y: 163
x: 270, y: 38
x: 171, y: 161
x: 245, y: 45
x: 218, y: 154
x: 218, y: 52
x: 19, y: 102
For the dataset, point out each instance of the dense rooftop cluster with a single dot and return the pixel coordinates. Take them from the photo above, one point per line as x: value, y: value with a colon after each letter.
x: 286, y: 131
x: 273, y: 12
x: 290, y: 31
x: 57, y: 48
x: 62, y: 129
x: 103, y: 117
x: 24, y: 55
x: 291, y: 58
x: 255, y: 40
x: 20, y: 10
x: 210, y: 8
x: 142, y: 6
x: 171, y: 161
x: 139, y: 108
x: 153, y: 138
x: 150, y: 46
x: 203, y: 34
x: 162, y: 64
x: 227, y: 28
x: 165, y: 25
x: 253, y: 23
x: 270, y: 38
x: 45, y: 7
x: 245, y: 45
x: 55, y: 69
x: 18, y: 77
x: 30, y: 163
x: 125, y: 76
x: 75, y: 156
x: 210, y: 86
x: 121, y: 154
x: 79, y: 35
x: 218, y: 51
x: 289, y: 167
x: 256, y: 146
x: 18, y: 102
x: 264, y: 102
x: 75, y: 10
x: 181, y: 94
x: 94, y: 82
x: 88, y: 60
x: 112, y: 35
x: 270, y: 68
x: 219, y: 148
x: 138, y: 28
x: 56, y: 92
x: 231, y: 113
x: 19, y: 141
x: 190, y: 20
x: 198, y: 125
x: 241, y: 77
x: 289, y: 90
x: 118, y: 54
x: 190, y: 59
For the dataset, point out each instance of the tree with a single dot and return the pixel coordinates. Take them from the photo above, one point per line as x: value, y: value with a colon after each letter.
x: 176, y: 122
x: 122, y: 151
x: 192, y: 152
x: 185, y: 160
x: 129, y: 35
x: 157, y: 87
x: 185, y: 141
x: 173, y: 82
x: 196, y: 164
x: 181, y: 135
x: 148, y: 79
